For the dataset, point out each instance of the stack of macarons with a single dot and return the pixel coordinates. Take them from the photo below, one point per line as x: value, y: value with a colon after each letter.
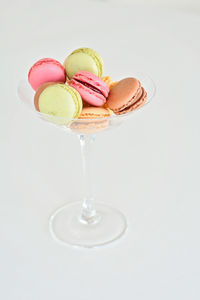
x: 78, y: 90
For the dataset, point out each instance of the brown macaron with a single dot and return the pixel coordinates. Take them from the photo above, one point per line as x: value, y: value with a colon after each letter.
x: 39, y: 92
x: 126, y: 96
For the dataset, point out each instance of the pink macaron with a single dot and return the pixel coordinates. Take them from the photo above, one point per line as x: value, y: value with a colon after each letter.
x: 92, y: 89
x: 46, y: 70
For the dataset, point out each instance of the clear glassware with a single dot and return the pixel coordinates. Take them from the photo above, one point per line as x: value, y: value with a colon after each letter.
x: 86, y: 223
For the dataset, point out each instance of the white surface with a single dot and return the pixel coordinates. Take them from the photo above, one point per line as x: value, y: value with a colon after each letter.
x: 148, y: 168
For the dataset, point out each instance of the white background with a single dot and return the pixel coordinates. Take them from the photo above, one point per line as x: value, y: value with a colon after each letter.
x: 148, y: 168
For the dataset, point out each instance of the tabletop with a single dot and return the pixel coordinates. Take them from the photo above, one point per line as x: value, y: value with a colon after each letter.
x: 148, y: 168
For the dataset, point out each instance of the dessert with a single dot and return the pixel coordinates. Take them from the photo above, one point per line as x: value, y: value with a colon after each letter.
x: 38, y: 92
x: 94, y: 113
x: 59, y: 100
x: 92, y: 89
x: 112, y: 84
x: 84, y: 59
x: 126, y: 96
x: 78, y: 90
x: 95, y: 119
x: 109, y: 81
x: 46, y: 70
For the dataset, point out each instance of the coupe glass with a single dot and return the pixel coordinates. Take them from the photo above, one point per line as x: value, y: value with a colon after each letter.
x: 86, y: 223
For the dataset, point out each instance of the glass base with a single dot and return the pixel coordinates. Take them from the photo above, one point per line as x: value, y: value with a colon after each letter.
x: 66, y: 226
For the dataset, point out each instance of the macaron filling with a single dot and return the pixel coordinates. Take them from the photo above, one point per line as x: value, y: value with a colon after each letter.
x: 89, y: 86
x: 139, y: 101
x: 132, y: 101
x: 93, y: 81
x: 92, y: 89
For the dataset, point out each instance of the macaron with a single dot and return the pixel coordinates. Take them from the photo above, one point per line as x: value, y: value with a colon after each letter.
x: 92, y: 89
x: 91, y: 120
x: 46, y: 70
x: 59, y: 100
x: 38, y: 92
x: 126, y: 95
x: 84, y: 59
x: 94, y: 113
x: 109, y: 81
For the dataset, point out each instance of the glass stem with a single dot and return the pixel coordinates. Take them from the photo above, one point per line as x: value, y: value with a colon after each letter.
x: 88, y: 214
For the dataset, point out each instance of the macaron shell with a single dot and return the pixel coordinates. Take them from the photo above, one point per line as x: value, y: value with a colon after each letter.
x: 137, y: 104
x: 94, y: 113
x: 123, y: 93
x: 61, y: 101
x: 80, y: 61
x: 46, y: 70
x: 93, y: 80
x: 84, y: 59
x: 87, y: 94
x: 77, y: 97
x: 95, y: 120
x: 97, y: 58
x: 133, y: 100
x: 39, y: 91
x: 108, y: 80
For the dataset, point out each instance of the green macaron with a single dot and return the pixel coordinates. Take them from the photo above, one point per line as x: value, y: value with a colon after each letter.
x: 59, y: 100
x: 84, y: 59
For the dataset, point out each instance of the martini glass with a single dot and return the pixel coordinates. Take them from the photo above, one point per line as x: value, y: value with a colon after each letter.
x: 86, y: 223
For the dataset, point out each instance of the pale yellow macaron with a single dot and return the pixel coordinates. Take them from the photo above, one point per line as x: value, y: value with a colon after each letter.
x: 92, y: 120
x: 94, y: 113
